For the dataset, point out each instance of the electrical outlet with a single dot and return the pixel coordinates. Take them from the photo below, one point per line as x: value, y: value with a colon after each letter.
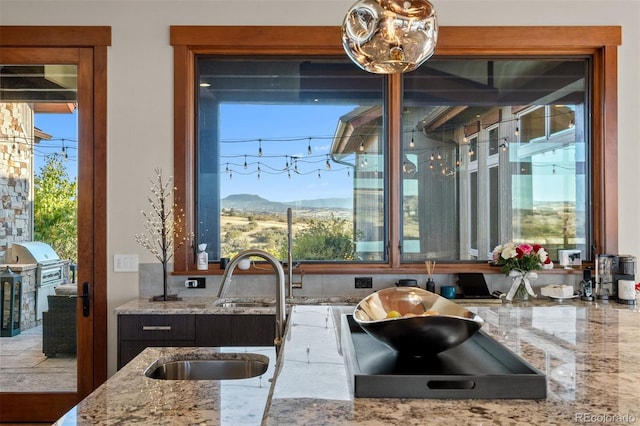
x: 364, y: 282
x: 200, y: 282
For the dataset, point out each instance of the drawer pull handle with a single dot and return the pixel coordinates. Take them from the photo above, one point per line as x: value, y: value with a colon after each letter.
x: 156, y: 327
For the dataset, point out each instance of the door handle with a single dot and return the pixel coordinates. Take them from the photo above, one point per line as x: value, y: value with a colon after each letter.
x: 85, y: 299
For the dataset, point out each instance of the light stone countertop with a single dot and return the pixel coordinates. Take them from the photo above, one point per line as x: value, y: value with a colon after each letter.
x: 589, y: 351
x: 209, y: 305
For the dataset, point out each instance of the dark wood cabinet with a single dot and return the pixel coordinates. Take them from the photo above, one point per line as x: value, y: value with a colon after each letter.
x: 136, y: 332
x: 235, y: 330
x: 139, y: 331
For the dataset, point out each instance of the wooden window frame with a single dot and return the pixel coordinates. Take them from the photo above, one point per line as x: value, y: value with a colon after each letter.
x: 598, y: 42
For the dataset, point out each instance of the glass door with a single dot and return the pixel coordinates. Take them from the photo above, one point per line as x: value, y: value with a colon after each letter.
x: 53, y: 137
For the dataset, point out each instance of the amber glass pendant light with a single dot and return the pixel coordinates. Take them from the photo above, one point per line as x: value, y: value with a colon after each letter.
x: 390, y: 36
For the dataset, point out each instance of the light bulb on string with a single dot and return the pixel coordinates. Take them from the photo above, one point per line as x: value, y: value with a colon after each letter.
x: 259, y: 147
x: 227, y: 168
x: 245, y: 162
x: 517, y: 131
x: 431, y: 157
x: 431, y: 166
x: 328, y: 164
x: 319, y: 177
x: 361, y: 148
x: 309, y: 147
x: 412, y: 143
x: 439, y: 155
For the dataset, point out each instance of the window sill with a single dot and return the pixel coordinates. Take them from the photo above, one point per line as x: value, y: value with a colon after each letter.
x: 374, y: 269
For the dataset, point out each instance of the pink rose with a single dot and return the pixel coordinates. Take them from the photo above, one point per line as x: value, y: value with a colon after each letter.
x: 525, y: 249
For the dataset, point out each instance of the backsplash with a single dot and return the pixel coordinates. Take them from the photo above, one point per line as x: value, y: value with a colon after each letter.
x: 330, y: 285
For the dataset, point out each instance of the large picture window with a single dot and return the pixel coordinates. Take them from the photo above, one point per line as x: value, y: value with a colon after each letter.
x: 300, y: 133
x: 441, y: 163
x: 540, y: 154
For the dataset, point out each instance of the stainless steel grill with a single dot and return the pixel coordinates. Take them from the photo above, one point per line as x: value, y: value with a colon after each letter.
x: 51, y: 270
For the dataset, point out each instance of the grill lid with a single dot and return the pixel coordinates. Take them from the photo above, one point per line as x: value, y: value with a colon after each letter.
x: 31, y: 252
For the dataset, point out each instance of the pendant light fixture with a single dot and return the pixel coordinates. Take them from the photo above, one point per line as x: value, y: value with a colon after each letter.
x: 390, y: 36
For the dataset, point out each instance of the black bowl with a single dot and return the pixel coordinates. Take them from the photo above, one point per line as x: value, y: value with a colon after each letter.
x: 428, y: 323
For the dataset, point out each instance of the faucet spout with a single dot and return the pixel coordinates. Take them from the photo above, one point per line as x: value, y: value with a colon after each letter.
x: 280, y: 286
x: 290, y: 251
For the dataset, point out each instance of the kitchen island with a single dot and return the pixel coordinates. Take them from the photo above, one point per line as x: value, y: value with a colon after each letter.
x: 589, y: 352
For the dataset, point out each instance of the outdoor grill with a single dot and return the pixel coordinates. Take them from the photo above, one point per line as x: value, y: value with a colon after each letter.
x: 51, y: 271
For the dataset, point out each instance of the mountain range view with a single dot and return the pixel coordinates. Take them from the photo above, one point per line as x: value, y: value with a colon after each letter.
x: 255, y: 203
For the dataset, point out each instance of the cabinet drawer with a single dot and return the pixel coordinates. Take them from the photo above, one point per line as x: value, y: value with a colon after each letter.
x: 156, y: 327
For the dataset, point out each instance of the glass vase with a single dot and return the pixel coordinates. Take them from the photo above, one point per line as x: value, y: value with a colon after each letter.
x: 521, y: 294
x: 520, y: 289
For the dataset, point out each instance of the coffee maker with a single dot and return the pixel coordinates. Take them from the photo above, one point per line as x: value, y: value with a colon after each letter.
x: 625, y: 273
x: 609, y: 269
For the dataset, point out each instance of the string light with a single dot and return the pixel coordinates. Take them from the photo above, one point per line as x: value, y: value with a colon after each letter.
x: 309, y: 148
x: 361, y: 148
x: 328, y: 164
x: 412, y: 143
x: 259, y: 147
x: 245, y: 162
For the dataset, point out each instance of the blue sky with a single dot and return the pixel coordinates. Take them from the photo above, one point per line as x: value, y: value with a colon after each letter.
x: 283, y: 132
x: 63, y: 129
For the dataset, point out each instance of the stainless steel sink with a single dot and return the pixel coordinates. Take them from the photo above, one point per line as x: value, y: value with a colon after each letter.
x: 228, y: 366
x: 245, y: 305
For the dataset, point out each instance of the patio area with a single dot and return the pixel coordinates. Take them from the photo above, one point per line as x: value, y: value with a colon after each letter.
x: 24, y: 368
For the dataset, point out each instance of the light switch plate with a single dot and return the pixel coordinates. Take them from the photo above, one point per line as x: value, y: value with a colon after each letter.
x: 125, y: 263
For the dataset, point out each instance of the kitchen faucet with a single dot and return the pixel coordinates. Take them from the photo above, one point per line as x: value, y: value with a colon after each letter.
x: 290, y: 251
x: 280, y: 285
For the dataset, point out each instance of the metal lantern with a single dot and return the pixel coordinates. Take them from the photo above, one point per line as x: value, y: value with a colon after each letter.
x: 390, y: 36
x: 10, y: 303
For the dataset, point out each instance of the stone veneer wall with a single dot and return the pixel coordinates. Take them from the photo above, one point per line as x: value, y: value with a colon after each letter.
x: 16, y: 173
x: 16, y: 197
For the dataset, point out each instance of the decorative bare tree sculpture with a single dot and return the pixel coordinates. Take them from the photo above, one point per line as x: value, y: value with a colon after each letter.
x: 165, y: 228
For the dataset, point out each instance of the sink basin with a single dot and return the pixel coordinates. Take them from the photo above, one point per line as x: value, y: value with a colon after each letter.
x: 245, y: 305
x: 227, y: 366
x: 245, y: 302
